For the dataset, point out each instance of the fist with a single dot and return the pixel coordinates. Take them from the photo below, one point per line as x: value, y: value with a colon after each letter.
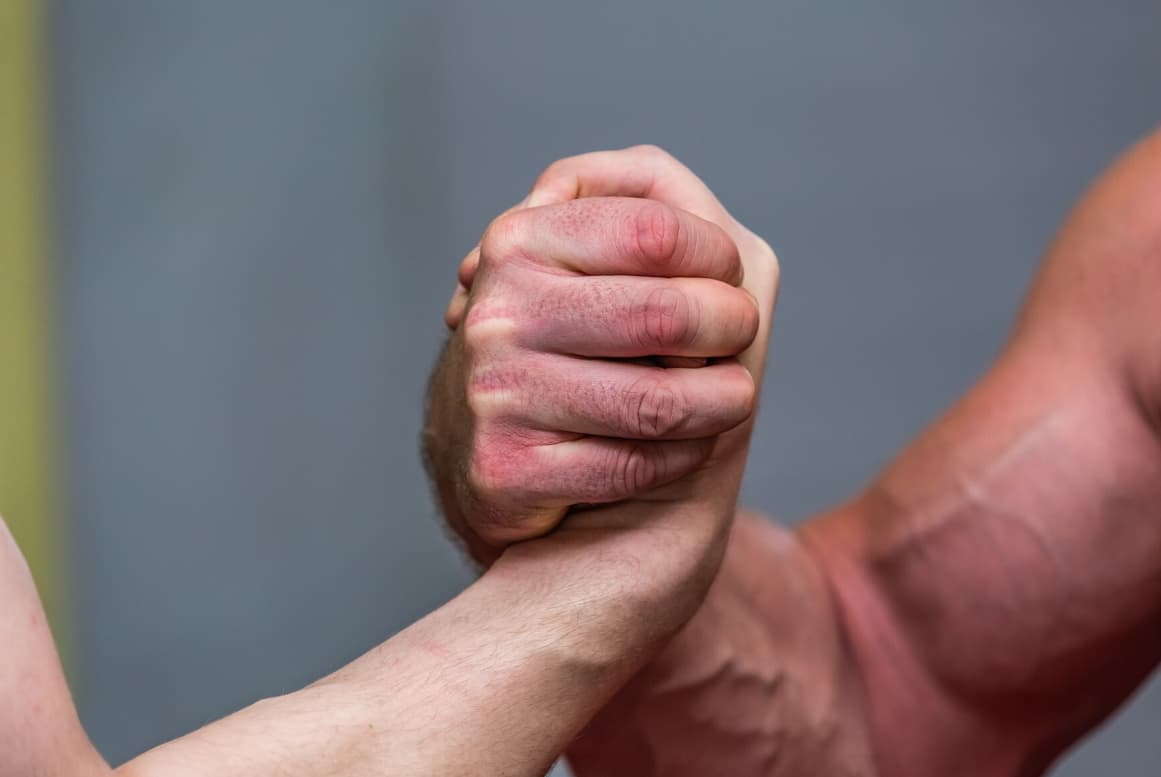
x: 597, y: 331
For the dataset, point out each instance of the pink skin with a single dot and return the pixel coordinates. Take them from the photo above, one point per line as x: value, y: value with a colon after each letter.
x: 983, y: 603
x: 561, y: 317
x: 986, y: 601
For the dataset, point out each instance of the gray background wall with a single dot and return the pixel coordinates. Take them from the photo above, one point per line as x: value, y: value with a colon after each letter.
x: 262, y: 204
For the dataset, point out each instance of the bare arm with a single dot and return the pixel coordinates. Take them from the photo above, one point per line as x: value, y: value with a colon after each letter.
x: 988, y: 599
x: 496, y: 682
x: 499, y: 680
x: 1012, y: 555
x: 39, y: 730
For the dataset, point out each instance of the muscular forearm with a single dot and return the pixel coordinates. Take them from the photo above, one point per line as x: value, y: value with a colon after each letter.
x: 758, y: 684
x: 1000, y: 584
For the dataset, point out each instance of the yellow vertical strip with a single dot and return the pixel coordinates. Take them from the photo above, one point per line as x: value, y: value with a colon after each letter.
x: 26, y: 431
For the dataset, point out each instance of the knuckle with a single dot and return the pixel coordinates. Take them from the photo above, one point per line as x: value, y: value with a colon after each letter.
x: 666, y: 319
x: 747, y: 395
x: 552, y: 172
x: 655, y: 233
x: 739, y: 399
x: 770, y: 258
x: 491, y: 472
x: 503, y: 238
x: 763, y: 255
x: 486, y: 327
x: 488, y: 395
x: 654, y: 410
x: 633, y: 471
x: 749, y: 322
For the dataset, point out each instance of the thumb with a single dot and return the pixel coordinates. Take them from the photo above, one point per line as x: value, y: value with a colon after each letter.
x: 640, y: 171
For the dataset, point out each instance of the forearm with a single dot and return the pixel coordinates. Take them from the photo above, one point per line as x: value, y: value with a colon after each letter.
x: 759, y: 683
x: 497, y: 682
x: 40, y: 733
x: 454, y: 694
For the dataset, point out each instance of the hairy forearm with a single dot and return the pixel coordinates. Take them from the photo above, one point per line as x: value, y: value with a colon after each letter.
x: 497, y: 682
x: 758, y: 684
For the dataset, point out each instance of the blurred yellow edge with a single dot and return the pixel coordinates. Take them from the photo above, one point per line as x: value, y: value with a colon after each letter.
x: 27, y: 492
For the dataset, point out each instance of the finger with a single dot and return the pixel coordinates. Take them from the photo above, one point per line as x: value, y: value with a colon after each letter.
x: 615, y: 236
x: 594, y: 470
x: 647, y: 171
x: 549, y: 479
x: 626, y: 317
x: 467, y: 269
x: 627, y: 401
x: 639, y: 171
x: 455, y: 309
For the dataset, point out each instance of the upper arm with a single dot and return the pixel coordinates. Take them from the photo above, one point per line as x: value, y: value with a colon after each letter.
x: 1007, y: 566
x: 39, y: 731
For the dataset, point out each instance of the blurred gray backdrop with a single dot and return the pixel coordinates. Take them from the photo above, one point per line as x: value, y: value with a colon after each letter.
x: 262, y: 204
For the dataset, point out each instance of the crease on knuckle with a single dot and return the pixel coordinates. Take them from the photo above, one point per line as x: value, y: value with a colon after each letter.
x: 656, y: 235
x: 491, y: 393
x: 633, y: 471
x: 487, y: 326
x: 654, y: 409
x: 667, y: 318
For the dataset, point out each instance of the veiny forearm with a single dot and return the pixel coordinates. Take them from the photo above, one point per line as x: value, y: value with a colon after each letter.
x: 1000, y: 585
x: 758, y: 684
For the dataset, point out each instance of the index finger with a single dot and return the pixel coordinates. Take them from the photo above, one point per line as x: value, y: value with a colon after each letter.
x: 640, y: 171
x: 616, y: 236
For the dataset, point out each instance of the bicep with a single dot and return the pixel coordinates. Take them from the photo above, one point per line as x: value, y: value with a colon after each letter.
x: 1006, y: 567
x: 1021, y: 535
x: 1011, y: 556
x: 40, y: 733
